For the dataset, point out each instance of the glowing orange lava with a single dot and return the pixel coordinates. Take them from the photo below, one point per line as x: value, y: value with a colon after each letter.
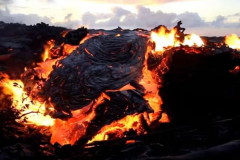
x: 70, y: 130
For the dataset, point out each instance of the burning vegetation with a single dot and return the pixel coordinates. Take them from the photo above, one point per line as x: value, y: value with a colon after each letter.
x: 102, y: 85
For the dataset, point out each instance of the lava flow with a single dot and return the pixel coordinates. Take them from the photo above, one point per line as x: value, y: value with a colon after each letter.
x: 35, y: 110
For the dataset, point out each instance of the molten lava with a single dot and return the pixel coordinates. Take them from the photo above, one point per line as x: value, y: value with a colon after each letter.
x: 68, y: 131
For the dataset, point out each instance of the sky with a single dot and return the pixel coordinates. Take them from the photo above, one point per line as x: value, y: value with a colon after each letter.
x: 203, y: 17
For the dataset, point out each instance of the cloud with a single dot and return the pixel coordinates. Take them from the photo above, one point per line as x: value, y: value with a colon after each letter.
x: 6, y: 16
x: 47, y: 1
x: 139, y: 2
x: 233, y: 15
x: 219, y: 22
x: 5, y: 2
x: 68, y: 17
x: 143, y: 18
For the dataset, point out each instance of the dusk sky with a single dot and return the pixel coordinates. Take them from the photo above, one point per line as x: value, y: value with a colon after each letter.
x: 203, y: 17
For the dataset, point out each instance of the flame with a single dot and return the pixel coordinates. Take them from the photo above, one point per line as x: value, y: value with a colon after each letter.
x: 43, y: 69
x: 47, y: 47
x: 193, y: 40
x: 164, y: 39
x: 233, y: 41
x: 32, y: 110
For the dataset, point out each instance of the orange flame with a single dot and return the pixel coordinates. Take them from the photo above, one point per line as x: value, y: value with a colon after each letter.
x: 43, y: 69
x: 193, y: 40
x: 47, y: 47
x: 32, y: 110
x: 233, y: 41
x: 164, y: 38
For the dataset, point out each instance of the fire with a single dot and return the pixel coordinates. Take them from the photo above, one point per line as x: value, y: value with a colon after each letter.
x: 47, y: 47
x: 233, y: 41
x: 193, y: 40
x: 43, y: 69
x: 164, y: 39
x: 31, y: 110
x: 69, y: 131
